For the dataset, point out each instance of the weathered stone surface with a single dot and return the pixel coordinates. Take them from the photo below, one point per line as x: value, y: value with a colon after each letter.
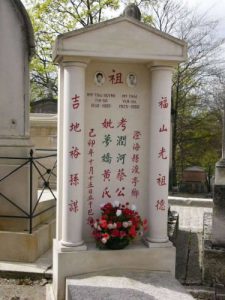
x: 126, y: 285
x: 213, y: 256
x: 188, y: 259
x: 218, y: 229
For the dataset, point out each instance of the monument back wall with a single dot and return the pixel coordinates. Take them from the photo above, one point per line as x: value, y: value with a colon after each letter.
x: 116, y: 137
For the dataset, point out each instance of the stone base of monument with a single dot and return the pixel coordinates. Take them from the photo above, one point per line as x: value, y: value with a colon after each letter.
x: 136, y: 256
x: 25, y: 247
x: 129, y: 285
x: 213, y: 257
x: 126, y: 285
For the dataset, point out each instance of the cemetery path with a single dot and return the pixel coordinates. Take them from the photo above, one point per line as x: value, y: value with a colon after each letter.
x: 22, y: 289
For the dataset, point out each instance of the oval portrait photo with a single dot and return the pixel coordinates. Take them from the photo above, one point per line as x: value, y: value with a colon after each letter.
x: 99, y: 78
x: 131, y: 79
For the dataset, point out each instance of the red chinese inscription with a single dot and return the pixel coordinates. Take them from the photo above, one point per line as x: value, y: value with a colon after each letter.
x: 160, y: 204
x: 75, y: 101
x: 73, y: 206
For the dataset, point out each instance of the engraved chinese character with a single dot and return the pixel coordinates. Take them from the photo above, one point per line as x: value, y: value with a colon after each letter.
x: 91, y: 133
x: 74, y: 179
x: 136, y: 146
x: 90, y: 221
x: 91, y: 143
x: 161, y: 180
x: 107, y: 158
x: 160, y: 205
x: 135, y: 193
x: 122, y: 123
x: 136, y: 135
x: 106, y: 193
x: 107, y: 140
x: 163, y: 128
x: 163, y: 103
x: 73, y: 206
x: 75, y: 100
x: 135, y: 158
x: 91, y: 152
x: 115, y: 78
x: 120, y: 192
x: 74, y: 153
x: 121, y: 174
x: 91, y: 170
x: 162, y: 154
x: 106, y: 175
x: 121, y: 140
x: 135, y: 169
x: 121, y: 158
x: 135, y: 181
x: 75, y: 127
x: 107, y: 124
x: 91, y: 162
x: 90, y: 185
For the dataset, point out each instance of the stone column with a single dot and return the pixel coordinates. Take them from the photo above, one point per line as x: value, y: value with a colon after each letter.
x: 73, y: 154
x: 159, y: 152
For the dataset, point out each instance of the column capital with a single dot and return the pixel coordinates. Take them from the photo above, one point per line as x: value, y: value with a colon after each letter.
x: 80, y: 64
x: 161, y: 67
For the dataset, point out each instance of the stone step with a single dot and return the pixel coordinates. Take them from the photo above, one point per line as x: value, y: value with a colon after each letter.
x: 126, y: 285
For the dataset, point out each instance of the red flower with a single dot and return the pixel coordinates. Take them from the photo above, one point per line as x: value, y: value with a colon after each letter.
x: 115, y: 233
x: 132, y: 232
x: 110, y: 226
x: 103, y: 223
x: 123, y: 234
x: 105, y: 235
x: 119, y: 225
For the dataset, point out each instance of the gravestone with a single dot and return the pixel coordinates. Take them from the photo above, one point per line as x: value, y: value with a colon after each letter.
x: 114, y: 135
x: 16, y: 49
x: 16, y: 189
x: 214, y: 236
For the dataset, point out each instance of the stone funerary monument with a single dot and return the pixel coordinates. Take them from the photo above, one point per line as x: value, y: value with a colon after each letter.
x: 114, y: 142
x: 18, y: 192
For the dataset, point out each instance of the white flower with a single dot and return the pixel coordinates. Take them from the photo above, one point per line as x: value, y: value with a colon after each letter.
x: 99, y: 228
x: 95, y: 225
x: 118, y: 212
x: 116, y: 203
x: 104, y: 240
x: 125, y: 224
x: 110, y: 226
x: 133, y: 207
x: 114, y: 225
x: 129, y: 223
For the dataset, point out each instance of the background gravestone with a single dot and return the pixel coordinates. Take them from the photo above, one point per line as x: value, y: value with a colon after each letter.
x: 17, y: 198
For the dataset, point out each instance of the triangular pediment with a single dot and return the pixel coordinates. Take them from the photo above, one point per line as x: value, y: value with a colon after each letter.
x: 121, y: 38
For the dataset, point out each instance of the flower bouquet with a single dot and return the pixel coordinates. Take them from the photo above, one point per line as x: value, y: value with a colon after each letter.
x: 117, y: 226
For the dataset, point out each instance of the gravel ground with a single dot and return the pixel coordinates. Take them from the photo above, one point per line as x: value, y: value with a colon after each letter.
x: 22, y: 289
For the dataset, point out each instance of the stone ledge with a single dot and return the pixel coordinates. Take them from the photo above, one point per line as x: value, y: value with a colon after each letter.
x: 126, y: 285
x: 25, y: 247
x: 135, y: 256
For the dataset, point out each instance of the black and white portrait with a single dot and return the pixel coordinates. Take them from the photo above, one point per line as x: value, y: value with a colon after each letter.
x: 99, y: 78
x: 131, y: 79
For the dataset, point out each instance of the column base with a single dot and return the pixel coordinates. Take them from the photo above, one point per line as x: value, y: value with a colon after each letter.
x: 70, y: 247
x: 155, y: 240
x: 151, y: 244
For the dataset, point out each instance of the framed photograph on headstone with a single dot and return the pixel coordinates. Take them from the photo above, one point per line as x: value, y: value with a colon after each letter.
x: 131, y: 80
x: 99, y: 78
